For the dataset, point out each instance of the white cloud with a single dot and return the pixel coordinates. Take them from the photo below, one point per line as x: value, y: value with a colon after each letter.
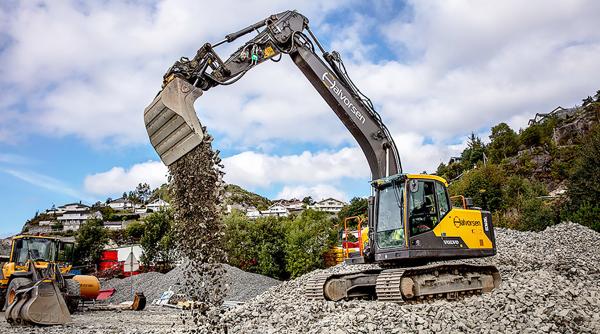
x: 89, y: 69
x: 252, y: 169
x: 317, y: 192
x: 118, y: 179
x: 463, y: 66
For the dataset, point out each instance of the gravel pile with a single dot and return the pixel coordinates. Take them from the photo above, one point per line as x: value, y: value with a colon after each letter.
x: 551, y: 283
x: 242, y: 285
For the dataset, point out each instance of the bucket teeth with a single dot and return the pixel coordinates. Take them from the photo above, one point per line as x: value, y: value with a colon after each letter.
x: 171, y: 121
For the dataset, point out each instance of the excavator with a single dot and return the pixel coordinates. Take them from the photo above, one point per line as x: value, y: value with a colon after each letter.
x: 413, y: 231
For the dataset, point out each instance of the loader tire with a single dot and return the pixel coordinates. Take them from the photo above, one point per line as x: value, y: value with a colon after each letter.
x: 13, y: 286
x: 72, y: 295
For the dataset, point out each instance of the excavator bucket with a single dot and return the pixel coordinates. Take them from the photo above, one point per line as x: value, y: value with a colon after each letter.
x: 40, y: 304
x: 171, y: 121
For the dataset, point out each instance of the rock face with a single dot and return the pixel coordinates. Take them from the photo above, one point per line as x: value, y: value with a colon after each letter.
x: 551, y: 283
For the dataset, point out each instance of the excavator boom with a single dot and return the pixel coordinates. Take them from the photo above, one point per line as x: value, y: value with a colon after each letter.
x: 174, y: 128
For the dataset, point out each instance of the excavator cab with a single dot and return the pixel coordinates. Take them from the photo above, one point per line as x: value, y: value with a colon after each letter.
x: 413, y: 220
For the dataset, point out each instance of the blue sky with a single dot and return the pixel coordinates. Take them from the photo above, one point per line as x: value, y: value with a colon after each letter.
x: 76, y: 76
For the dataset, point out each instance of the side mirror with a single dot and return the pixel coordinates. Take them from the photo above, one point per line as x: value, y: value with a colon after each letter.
x: 469, y: 202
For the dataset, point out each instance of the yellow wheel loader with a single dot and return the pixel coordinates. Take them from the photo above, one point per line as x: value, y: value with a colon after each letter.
x: 410, y: 219
x: 36, y: 286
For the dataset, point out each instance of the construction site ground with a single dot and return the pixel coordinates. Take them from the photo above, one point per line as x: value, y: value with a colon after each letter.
x: 551, y: 284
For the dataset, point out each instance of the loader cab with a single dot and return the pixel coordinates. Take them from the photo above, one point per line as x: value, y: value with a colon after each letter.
x: 42, y: 250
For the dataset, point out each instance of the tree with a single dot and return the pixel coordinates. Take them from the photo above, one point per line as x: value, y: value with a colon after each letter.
x: 308, y: 200
x: 483, y: 184
x: 473, y: 153
x: 257, y: 245
x: 584, y: 188
x: 308, y: 238
x: 357, y: 207
x: 588, y: 100
x: 142, y: 192
x: 135, y: 230
x: 504, y: 143
x: 91, y: 239
x: 157, y: 239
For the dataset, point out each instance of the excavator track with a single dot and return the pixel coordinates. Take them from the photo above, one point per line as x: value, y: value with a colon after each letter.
x: 388, y: 286
x: 314, y: 287
x: 402, y: 285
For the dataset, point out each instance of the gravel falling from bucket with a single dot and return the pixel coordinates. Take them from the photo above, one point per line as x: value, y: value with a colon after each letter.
x: 197, y: 190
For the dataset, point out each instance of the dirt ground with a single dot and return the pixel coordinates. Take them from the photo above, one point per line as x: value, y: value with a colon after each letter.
x: 151, y: 320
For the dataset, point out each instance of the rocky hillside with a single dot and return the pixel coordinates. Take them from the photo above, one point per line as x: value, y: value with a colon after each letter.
x: 538, y: 176
x: 237, y: 195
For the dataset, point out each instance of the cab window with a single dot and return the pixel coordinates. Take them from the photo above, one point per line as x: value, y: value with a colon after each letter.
x: 423, y: 213
x: 442, y: 199
x: 390, y: 230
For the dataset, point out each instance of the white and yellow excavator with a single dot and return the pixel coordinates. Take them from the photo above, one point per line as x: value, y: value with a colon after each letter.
x: 410, y: 219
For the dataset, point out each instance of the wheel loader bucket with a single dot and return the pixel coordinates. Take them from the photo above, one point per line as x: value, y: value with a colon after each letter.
x: 40, y: 304
x: 171, y: 121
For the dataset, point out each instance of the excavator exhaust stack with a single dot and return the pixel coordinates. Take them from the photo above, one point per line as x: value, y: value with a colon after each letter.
x: 171, y: 121
x: 41, y: 304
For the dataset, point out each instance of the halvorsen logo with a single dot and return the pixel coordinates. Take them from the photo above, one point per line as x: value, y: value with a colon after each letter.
x: 330, y: 82
x: 463, y: 222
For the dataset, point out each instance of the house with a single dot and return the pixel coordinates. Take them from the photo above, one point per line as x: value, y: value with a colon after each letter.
x: 291, y: 204
x: 113, y: 226
x: 276, y: 210
x: 72, y: 220
x: 237, y: 207
x: 72, y: 207
x: 158, y: 205
x: 252, y: 213
x: 330, y: 205
x: 121, y: 204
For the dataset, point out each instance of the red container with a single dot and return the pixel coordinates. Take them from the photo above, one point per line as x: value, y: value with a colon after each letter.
x: 110, y: 255
x: 104, y: 265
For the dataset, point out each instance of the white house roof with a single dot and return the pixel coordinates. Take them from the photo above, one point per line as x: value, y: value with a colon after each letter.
x: 331, y: 199
x: 120, y: 200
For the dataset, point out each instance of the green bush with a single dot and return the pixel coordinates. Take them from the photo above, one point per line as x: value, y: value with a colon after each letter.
x: 90, y: 241
x: 157, y: 239
x: 308, y: 238
x: 135, y: 230
x: 281, y: 247
x: 357, y: 207
x: 483, y: 184
x: 256, y: 245
x: 588, y: 215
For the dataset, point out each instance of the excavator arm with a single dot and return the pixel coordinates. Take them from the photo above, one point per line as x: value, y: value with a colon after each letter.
x: 174, y: 128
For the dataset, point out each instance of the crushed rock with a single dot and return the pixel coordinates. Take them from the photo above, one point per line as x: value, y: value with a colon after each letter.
x: 242, y: 286
x: 551, y: 284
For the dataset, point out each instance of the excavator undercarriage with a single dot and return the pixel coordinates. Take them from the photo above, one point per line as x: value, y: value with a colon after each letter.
x: 401, y: 285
